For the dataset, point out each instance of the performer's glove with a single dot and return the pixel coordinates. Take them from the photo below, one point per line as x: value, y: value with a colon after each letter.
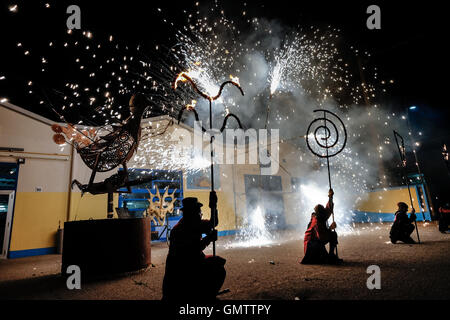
x: 212, y: 199
x: 413, y: 217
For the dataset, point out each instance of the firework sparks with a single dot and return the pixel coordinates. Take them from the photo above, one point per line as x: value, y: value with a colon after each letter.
x: 255, y: 233
x: 308, y: 63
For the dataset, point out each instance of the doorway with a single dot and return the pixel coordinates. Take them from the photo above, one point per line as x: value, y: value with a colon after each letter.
x: 266, y: 193
x: 6, y: 211
x: 8, y: 184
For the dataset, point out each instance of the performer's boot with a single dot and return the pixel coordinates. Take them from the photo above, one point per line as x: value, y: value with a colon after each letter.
x: 332, y: 256
x: 409, y: 240
x: 334, y: 259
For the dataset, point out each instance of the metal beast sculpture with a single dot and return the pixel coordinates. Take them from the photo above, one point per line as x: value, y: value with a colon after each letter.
x: 105, y: 153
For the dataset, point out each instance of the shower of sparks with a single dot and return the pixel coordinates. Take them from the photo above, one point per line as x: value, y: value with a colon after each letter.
x: 284, y: 60
x: 309, y: 62
x: 255, y: 232
x: 276, y: 77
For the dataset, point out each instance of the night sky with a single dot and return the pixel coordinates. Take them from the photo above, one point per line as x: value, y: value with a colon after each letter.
x: 409, y: 48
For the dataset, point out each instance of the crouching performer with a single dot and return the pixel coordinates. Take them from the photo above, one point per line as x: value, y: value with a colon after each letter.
x: 190, y: 275
x: 403, y: 225
x: 319, y: 234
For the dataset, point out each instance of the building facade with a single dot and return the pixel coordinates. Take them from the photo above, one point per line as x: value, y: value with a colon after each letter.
x: 37, y: 197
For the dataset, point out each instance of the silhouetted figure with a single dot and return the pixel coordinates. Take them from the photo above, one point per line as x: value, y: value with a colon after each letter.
x: 444, y: 218
x: 190, y: 275
x: 319, y: 234
x: 403, y: 225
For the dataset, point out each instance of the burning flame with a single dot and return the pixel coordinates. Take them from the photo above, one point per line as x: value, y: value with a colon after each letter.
x: 192, y: 105
x: 235, y: 80
x: 182, y: 76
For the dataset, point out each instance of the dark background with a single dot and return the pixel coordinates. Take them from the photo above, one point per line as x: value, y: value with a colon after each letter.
x: 410, y: 48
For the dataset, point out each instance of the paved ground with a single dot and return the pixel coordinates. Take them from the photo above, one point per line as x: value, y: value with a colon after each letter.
x: 407, y: 271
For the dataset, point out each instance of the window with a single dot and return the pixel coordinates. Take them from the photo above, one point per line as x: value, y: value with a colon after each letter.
x: 8, y: 176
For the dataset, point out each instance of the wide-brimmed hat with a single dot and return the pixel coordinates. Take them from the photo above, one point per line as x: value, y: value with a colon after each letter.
x: 402, y: 205
x: 190, y: 203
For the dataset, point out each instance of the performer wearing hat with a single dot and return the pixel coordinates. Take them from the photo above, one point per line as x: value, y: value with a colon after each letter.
x: 189, y: 273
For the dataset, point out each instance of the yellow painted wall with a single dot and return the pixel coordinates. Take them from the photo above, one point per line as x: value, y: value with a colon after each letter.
x: 36, y: 219
x: 90, y: 206
x: 37, y: 215
x: 385, y: 201
x: 226, y: 211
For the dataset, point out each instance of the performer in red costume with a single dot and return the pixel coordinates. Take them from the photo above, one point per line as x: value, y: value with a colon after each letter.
x: 319, y: 234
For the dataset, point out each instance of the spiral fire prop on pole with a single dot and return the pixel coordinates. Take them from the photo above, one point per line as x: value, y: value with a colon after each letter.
x: 402, y: 152
x: 184, y: 77
x: 326, y: 135
x: 319, y: 137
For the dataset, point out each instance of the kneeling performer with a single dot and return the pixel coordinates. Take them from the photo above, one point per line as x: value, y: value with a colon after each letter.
x: 190, y: 275
x: 319, y: 234
x: 403, y: 225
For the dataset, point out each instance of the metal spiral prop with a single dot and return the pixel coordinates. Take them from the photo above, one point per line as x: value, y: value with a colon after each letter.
x: 184, y: 77
x: 330, y: 138
x: 180, y: 115
x: 325, y: 138
x: 225, y: 121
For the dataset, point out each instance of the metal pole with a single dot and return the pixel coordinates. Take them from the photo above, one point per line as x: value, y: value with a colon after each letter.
x: 328, y: 158
x: 410, y: 199
x: 328, y: 166
x: 213, y: 208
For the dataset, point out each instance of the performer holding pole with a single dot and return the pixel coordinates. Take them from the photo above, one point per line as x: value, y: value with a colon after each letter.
x: 319, y: 233
x: 189, y: 272
x: 327, y: 133
x: 402, y: 206
x: 183, y: 77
